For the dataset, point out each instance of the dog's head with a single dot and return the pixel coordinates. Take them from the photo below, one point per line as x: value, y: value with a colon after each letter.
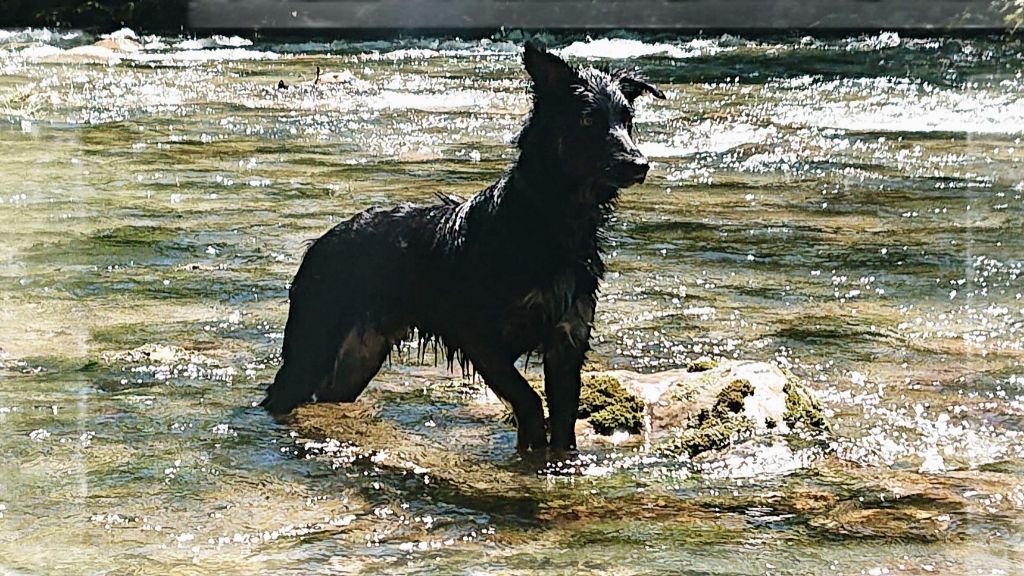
x: 583, y: 119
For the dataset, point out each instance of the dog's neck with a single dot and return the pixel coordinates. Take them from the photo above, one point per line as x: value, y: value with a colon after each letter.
x: 563, y: 212
x: 568, y: 214
x: 542, y: 180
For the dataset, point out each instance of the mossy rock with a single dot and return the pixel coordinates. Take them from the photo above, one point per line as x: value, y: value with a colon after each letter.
x: 714, y: 405
x: 728, y: 403
x: 718, y: 426
x: 716, y: 436
x: 705, y: 407
x: 802, y: 409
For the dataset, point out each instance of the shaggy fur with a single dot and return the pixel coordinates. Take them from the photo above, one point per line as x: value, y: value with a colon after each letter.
x: 512, y: 270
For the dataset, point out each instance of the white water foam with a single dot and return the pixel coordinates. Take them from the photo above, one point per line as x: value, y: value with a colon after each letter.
x: 708, y: 137
x: 901, y: 106
x: 624, y: 49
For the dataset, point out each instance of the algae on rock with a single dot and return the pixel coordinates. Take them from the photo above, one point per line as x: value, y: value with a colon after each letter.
x: 802, y: 409
x: 608, y: 406
x: 702, y: 364
x: 717, y: 426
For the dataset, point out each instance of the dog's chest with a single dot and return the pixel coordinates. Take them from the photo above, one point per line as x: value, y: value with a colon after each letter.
x: 543, y: 306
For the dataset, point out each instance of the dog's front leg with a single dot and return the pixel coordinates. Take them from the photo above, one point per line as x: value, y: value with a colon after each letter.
x: 563, y: 360
x: 501, y: 375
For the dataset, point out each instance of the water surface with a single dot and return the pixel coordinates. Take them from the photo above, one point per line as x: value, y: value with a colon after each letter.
x: 847, y: 208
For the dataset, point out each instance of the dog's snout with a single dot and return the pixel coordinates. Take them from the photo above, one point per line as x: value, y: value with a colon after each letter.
x: 638, y: 168
x: 630, y: 170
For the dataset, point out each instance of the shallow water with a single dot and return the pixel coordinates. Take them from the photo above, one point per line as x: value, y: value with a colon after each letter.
x: 847, y: 208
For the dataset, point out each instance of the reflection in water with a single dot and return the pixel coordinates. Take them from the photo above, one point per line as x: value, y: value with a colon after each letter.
x: 848, y: 209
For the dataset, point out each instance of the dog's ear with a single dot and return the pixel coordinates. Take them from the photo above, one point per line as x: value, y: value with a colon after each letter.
x: 633, y: 86
x: 549, y: 72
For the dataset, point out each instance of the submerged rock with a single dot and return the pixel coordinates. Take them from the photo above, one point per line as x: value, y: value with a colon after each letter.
x: 701, y: 410
x: 705, y: 407
x: 119, y: 44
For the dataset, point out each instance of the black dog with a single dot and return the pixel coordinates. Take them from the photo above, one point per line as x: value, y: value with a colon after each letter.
x: 512, y: 270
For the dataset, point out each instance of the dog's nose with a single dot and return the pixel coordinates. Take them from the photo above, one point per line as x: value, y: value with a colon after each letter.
x: 637, y: 169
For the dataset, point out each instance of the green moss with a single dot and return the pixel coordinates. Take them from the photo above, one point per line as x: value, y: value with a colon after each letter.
x: 702, y: 364
x: 802, y: 409
x: 598, y: 391
x: 718, y: 426
x: 728, y: 403
x: 608, y: 406
x: 730, y: 399
x: 712, y: 436
x: 626, y: 416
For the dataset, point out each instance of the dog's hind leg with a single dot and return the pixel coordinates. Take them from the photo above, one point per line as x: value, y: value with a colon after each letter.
x: 318, y: 320
x: 310, y: 347
x: 359, y: 358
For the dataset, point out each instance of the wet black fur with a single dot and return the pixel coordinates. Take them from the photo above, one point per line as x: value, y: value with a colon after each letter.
x: 512, y: 270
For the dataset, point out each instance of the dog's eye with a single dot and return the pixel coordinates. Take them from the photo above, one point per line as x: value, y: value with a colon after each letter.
x: 586, y: 121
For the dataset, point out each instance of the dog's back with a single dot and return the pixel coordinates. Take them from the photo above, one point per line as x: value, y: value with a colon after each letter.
x: 513, y: 269
x: 443, y: 270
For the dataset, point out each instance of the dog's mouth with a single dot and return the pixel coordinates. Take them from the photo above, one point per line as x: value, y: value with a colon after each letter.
x: 626, y: 174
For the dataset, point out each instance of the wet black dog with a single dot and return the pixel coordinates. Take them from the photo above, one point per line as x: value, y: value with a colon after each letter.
x: 512, y: 270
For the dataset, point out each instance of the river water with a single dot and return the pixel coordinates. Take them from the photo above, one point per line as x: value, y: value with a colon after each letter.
x: 848, y: 208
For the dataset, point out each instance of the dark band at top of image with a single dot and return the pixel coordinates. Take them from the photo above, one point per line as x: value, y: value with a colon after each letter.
x: 608, y: 14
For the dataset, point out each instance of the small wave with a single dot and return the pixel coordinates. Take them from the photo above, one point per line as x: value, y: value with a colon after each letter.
x: 216, y: 41
x: 122, y: 34
x: 93, y: 54
x: 40, y: 51
x: 882, y: 41
x: 451, y: 48
x: 624, y: 49
x: 446, y: 102
x: 754, y: 460
x: 210, y: 55
x: 307, y: 47
x: 43, y: 35
x: 906, y: 108
x: 708, y: 137
x: 411, y: 53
